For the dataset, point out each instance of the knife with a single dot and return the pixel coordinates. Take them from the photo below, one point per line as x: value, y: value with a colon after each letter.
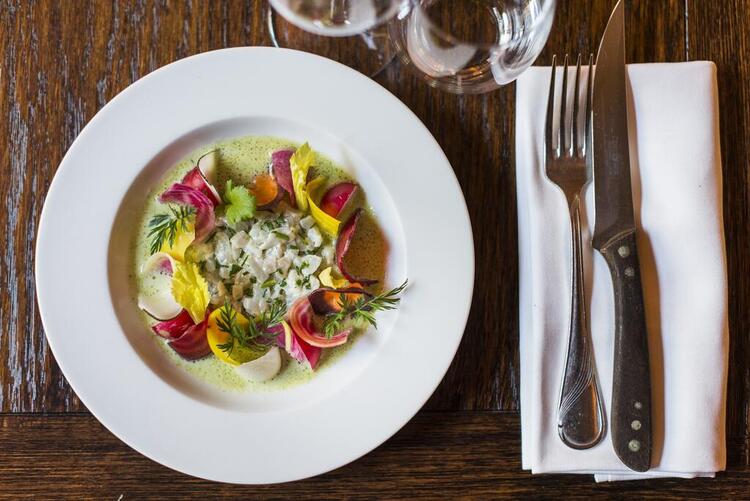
x: 615, y: 238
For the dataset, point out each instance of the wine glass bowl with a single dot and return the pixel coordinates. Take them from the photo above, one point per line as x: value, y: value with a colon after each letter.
x: 471, y: 46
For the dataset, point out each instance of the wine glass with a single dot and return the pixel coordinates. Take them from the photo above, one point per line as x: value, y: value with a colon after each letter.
x: 471, y: 46
x: 349, y: 31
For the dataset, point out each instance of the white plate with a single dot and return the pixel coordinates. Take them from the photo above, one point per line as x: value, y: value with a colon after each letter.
x: 116, y: 367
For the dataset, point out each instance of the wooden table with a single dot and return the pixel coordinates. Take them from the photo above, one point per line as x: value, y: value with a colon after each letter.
x: 63, y: 60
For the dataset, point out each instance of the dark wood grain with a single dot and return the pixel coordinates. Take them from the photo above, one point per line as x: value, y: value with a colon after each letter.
x: 61, y: 61
x: 438, y: 455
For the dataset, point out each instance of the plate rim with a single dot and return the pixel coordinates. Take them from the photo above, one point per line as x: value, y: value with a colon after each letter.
x: 462, y: 307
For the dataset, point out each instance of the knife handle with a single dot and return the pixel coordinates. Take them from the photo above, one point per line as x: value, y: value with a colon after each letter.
x: 631, y: 381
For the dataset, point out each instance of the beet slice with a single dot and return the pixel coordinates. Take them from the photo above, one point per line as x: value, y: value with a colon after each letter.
x: 193, y: 343
x: 204, y: 208
x: 175, y: 327
x: 342, y: 247
x: 325, y: 300
x: 297, y: 348
x: 336, y: 198
x: 302, y: 316
x: 282, y: 171
x: 195, y: 179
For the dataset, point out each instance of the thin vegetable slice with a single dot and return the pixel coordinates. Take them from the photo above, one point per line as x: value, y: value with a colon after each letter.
x: 325, y: 300
x: 192, y: 344
x: 266, y: 191
x: 342, y: 247
x: 195, y: 179
x: 283, y: 173
x: 298, y: 349
x: 156, y: 274
x: 263, y: 368
x: 302, y: 319
x: 204, y: 208
x: 328, y: 279
x: 175, y: 327
x: 208, y: 164
x: 337, y: 197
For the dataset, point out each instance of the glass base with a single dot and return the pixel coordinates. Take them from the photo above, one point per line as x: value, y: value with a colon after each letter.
x: 369, y: 52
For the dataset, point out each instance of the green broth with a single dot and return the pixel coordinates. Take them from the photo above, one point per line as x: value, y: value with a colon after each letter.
x: 240, y: 159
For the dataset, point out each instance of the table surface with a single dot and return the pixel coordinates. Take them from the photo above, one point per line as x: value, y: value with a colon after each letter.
x: 63, y: 60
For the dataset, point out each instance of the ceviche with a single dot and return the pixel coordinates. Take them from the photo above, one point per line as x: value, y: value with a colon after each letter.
x: 259, y: 259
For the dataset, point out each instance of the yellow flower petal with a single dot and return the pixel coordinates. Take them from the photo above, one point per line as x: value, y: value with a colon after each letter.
x: 299, y: 165
x: 329, y: 224
x: 182, y: 239
x: 327, y: 278
x: 190, y: 290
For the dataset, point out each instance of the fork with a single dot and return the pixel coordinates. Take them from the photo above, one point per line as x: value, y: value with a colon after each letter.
x: 580, y: 416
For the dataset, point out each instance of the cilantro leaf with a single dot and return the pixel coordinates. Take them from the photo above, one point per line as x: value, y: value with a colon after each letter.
x: 240, y: 204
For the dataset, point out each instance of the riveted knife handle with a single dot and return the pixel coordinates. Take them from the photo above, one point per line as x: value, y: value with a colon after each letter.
x: 631, y: 382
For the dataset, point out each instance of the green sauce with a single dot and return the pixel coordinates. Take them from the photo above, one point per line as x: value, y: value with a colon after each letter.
x: 240, y: 159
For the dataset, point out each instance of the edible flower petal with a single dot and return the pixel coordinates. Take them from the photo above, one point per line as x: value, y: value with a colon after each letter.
x: 240, y: 204
x: 299, y: 164
x: 204, y: 207
x: 328, y: 279
x: 190, y: 290
x: 329, y: 224
x: 342, y: 247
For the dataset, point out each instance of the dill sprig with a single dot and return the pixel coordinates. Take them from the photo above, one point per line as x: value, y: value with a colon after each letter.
x: 163, y: 227
x: 255, y: 330
x: 362, y: 309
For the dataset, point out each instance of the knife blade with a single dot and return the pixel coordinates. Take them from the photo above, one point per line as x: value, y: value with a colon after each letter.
x: 615, y: 238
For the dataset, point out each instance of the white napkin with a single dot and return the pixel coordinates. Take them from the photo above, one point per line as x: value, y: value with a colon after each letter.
x: 676, y: 174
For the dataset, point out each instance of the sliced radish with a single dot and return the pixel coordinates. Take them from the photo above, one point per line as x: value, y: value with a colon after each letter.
x: 204, y: 208
x: 156, y: 277
x: 342, y: 247
x: 208, y: 165
x: 301, y: 317
x: 336, y: 198
x: 263, y: 368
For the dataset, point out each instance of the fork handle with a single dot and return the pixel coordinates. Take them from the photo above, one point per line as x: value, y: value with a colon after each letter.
x: 580, y: 419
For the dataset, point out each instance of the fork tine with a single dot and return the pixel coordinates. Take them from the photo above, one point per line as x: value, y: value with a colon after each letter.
x: 589, y: 80
x: 550, y: 109
x: 563, y: 108
x: 573, y: 150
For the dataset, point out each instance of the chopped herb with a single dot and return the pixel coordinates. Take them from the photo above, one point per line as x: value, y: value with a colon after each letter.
x: 362, y: 309
x: 164, y: 227
x: 280, y: 235
x: 235, y: 269
x: 268, y: 283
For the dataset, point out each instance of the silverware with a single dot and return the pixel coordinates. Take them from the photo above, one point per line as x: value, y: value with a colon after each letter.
x: 580, y: 418
x: 614, y: 238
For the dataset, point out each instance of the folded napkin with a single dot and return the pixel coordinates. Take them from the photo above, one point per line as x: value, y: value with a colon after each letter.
x: 676, y: 177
